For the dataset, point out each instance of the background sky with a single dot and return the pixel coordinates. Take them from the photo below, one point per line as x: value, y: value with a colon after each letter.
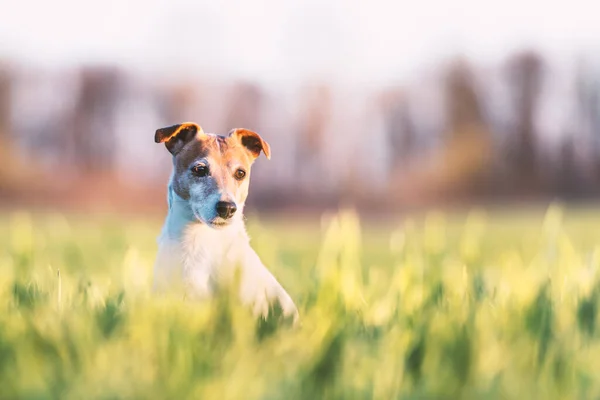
x: 282, y: 41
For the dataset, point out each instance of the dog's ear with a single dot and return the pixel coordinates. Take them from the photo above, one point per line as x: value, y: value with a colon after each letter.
x: 177, y: 136
x: 252, y: 142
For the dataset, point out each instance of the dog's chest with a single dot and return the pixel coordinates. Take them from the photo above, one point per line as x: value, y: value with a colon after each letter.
x: 208, y: 249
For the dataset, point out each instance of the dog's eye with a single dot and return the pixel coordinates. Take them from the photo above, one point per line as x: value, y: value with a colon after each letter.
x: 240, y: 174
x: 200, y: 170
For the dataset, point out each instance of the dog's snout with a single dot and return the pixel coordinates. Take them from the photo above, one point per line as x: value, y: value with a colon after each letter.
x: 226, y: 209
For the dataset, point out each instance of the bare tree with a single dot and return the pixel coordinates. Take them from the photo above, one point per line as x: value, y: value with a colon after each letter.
x: 92, y: 131
x: 316, y: 113
x: 462, y: 102
x: 6, y: 142
x: 5, y: 105
x: 588, y: 102
x: 399, y: 125
x: 525, y: 72
x: 467, y: 152
x: 567, y: 176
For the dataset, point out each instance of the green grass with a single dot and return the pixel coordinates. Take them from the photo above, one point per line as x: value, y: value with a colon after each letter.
x: 492, y: 306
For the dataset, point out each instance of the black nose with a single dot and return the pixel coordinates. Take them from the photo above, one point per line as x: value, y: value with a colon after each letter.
x: 226, y: 209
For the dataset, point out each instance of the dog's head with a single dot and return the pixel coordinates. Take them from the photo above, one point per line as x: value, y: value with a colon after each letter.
x: 212, y: 172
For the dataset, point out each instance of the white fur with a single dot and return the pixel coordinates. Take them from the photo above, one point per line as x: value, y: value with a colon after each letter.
x: 199, y: 257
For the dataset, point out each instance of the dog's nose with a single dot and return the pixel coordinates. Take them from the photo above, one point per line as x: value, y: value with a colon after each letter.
x: 226, y: 209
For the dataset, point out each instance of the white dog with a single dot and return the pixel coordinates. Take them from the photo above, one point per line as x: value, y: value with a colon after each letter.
x: 204, y: 238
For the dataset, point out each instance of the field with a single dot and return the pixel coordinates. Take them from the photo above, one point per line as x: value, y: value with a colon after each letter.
x: 480, y: 305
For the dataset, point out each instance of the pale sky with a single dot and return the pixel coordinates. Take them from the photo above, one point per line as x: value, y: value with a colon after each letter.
x: 278, y: 40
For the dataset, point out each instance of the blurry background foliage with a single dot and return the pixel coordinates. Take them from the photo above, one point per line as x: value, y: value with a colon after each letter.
x: 478, y: 305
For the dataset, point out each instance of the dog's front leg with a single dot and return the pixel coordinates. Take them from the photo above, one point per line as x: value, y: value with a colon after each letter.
x: 260, y: 289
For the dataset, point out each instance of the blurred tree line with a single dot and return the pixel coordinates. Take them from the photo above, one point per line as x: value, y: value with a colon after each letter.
x: 467, y: 132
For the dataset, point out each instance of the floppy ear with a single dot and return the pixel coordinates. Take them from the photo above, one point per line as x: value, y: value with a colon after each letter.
x: 252, y: 142
x: 177, y: 136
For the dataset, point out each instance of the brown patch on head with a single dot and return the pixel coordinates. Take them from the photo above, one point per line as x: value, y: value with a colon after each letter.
x: 192, y: 151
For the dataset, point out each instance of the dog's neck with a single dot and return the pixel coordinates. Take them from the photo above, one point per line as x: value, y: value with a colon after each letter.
x: 179, y: 217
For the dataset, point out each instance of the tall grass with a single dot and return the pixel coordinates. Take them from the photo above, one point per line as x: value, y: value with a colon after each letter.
x: 477, y: 306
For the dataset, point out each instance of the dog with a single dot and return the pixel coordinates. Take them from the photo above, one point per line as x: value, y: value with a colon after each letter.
x: 204, y: 239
